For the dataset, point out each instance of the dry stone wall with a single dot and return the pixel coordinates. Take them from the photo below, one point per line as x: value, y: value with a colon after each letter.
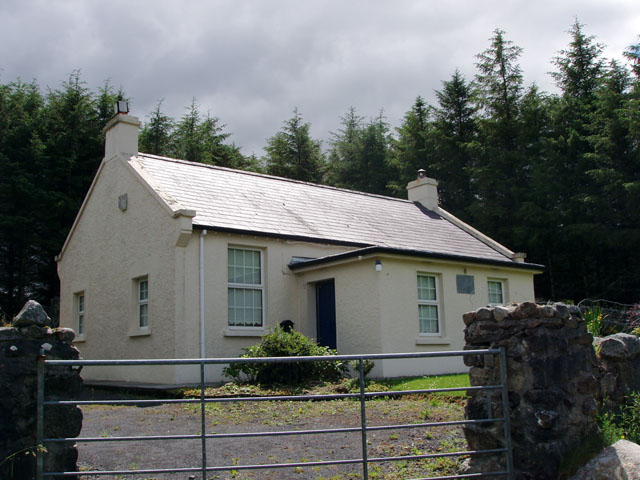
x: 552, y: 382
x: 20, y: 347
x: 619, y: 367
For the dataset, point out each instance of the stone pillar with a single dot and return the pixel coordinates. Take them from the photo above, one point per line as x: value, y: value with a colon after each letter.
x: 550, y: 366
x: 20, y: 347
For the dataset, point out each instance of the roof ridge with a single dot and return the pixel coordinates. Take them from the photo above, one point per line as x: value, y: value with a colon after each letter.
x: 272, y: 177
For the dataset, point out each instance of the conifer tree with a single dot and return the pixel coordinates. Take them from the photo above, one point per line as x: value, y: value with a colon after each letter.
x: 498, y: 162
x: 292, y: 153
x: 155, y: 135
x: 454, y: 130
x: 411, y: 150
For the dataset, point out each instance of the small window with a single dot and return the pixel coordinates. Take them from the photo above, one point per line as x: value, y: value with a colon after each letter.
x: 496, y: 292
x: 245, y: 288
x: 80, y: 315
x: 428, y: 306
x: 143, y: 303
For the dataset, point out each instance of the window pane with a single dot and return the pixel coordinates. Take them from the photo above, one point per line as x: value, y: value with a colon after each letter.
x: 495, y: 292
x: 143, y: 290
x: 245, y: 307
x: 142, y: 317
x: 426, y: 287
x: 428, y: 315
x: 244, y: 266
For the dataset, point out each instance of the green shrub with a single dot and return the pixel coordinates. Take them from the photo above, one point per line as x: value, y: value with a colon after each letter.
x: 279, y: 343
x: 367, y: 366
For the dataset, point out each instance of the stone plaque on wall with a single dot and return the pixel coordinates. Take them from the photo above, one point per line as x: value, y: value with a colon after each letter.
x: 465, y: 284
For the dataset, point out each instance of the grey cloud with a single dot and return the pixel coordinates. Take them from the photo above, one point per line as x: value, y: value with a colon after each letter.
x: 251, y: 62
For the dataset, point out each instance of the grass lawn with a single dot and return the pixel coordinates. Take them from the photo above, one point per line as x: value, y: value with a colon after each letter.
x: 425, y: 382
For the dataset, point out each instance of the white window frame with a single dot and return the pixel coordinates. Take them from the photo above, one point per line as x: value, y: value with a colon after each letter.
x: 435, y: 302
x: 80, y: 309
x: 247, y: 286
x: 142, y: 303
x: 501, y: 282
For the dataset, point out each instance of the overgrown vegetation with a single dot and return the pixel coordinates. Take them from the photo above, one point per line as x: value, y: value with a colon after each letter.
x: 594, y: 320
x: 622, y: 423
x: 604, y: 318
x: 280, y: 343
x: 7, y: 465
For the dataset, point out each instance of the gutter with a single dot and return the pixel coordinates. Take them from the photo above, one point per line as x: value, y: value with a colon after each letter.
x: 414, y: 253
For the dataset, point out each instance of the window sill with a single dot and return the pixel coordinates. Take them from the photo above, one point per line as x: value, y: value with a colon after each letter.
x: 432, y: 341
x: 249, y: 332
x: 80, y: 338
x: 140, y: 333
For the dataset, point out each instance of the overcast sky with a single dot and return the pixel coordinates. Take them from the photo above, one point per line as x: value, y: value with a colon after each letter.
x: 251, y: 62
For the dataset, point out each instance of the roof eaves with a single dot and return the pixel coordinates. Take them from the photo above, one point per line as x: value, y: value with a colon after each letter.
x: 490, y: 242
x: 372, y: 250
x: 284, y: 236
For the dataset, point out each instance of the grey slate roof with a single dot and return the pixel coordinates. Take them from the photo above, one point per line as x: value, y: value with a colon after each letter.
x: 234, y: 200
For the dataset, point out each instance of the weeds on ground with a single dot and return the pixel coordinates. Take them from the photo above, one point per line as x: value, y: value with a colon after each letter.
x: 7, y: 464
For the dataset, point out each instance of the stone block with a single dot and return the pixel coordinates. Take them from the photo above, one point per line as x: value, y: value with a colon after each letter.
x: 571, y: 323
x: 468, y: 318
x: 575, y: 310
x: 500, y: 313
x: 547, y: 311
x: 581, y: 339
x: 553, y: 322
x: 32, y: 314
x: 587, y: 384
x: 65, y: 334
x: 526, y: 310
x: 546, y: 419
x: 548, y: 398
x: 484, y: 314
x: 590, y: 406
x: 620, y: 461
x: 620, y: 346
x: 562, y: 311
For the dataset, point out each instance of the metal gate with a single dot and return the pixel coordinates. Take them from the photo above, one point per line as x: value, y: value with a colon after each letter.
x: 364, y: 460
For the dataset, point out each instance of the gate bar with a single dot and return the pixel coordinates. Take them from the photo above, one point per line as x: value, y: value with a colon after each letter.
x: 40, y: 417
x: 506, y: 414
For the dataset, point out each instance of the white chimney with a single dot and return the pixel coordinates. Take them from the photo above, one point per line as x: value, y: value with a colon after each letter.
x: 121, y: 133
x: 424, y: 190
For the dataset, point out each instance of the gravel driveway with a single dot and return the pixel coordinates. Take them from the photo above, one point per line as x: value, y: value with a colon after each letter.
x: 174, y: 419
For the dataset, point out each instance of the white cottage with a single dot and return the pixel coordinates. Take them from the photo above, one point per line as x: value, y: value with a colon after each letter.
x: 174, y: 259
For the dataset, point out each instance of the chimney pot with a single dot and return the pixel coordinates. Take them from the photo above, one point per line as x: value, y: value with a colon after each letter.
x: 121, y: 106
x: 422, y: 173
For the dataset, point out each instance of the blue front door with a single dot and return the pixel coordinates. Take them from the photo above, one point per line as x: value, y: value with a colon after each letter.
x: 326, y: 313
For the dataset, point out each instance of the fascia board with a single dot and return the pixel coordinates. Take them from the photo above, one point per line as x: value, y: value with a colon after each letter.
x: 171, y: 205
x: 490, y: 242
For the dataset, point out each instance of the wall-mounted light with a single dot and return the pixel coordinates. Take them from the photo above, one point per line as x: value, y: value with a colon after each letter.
x: 378, y: 266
